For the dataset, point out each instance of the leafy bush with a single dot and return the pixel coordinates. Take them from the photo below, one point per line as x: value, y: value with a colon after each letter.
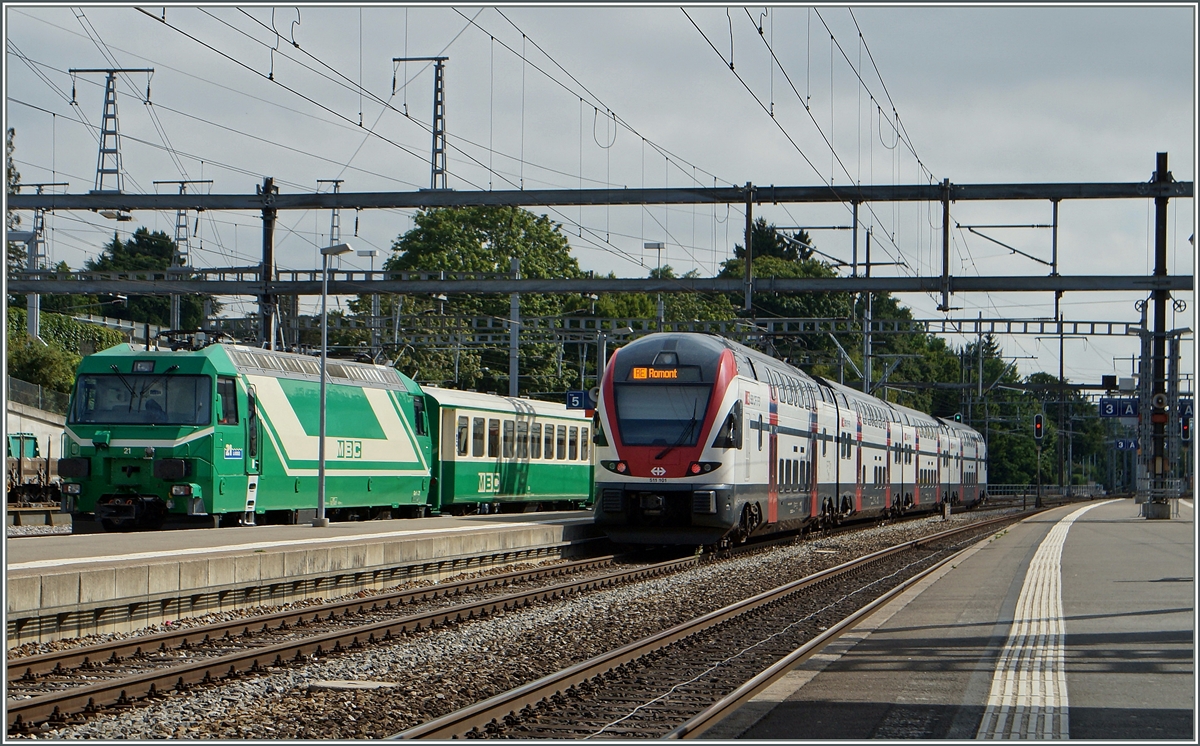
x: 48, y: 365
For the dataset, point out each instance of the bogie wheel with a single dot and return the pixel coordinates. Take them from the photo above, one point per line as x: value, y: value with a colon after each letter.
x: 112, y: 526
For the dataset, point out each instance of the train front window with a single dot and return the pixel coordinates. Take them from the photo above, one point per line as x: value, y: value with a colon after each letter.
x: 660, y: 415
x: 119, y: 399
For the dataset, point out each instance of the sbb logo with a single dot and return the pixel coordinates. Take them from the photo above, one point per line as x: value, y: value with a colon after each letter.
x: 658, y: 471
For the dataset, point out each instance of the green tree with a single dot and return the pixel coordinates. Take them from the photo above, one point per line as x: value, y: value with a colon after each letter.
x: 145, y: 251
x: 15, y: 252
x: 483, y: 240
x: 46, y: 364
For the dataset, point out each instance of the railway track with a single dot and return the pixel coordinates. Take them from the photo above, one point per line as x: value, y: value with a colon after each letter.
x: 66, y: 687
x: 171, y: 657
x: 666, y: 684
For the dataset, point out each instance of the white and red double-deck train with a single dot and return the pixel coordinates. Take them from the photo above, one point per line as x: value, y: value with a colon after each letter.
x: 701, y: 440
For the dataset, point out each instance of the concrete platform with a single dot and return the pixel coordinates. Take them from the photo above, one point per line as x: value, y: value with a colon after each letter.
x: 71, y: 585
x: 1069, y: 625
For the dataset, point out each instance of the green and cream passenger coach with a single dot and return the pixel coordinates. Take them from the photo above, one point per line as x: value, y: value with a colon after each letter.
x: 231, y: 432
x: 510, y: 454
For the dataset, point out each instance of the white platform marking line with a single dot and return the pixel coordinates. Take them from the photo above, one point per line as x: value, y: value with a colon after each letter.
x: 266, y: 545
x: 1028, y: 698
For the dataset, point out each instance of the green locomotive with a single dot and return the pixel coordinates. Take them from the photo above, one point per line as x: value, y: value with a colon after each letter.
x: 231, y: 432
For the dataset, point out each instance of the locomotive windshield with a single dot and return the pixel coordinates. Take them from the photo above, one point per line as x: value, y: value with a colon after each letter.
x: 657, y: 415
x: 119, y: 399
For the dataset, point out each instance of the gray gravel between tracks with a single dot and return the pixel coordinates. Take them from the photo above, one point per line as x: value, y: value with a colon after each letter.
x: 15, y: 531
x: 442, y: 670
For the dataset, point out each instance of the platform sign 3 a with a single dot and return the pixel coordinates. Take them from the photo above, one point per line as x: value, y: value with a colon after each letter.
x: 1125, y: 445
x: 1118, y: 407
x: 1185, y: 408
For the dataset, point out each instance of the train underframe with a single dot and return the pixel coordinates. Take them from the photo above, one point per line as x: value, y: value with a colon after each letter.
x: 722, y: 514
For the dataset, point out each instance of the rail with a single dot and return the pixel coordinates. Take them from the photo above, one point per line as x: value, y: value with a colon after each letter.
x: 56, y: 707
x: 476, y: 718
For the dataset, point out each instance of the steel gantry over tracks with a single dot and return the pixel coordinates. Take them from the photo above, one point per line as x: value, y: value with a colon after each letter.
x: 266, y: 281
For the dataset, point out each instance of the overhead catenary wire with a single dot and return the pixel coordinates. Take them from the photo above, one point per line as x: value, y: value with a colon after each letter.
x: 827, y: 139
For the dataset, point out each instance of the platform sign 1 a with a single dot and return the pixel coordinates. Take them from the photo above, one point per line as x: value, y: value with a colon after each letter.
x: 577, y: 400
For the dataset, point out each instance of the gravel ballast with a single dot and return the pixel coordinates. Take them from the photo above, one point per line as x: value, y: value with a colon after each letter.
x: 438, y: 671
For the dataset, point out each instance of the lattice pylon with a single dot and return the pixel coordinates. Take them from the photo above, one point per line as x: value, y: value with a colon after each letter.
x: 108, y: 164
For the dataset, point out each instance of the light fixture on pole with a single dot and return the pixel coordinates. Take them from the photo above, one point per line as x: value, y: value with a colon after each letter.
x: 374, y: 303
x: 658, y: 246
x: 328, y: 251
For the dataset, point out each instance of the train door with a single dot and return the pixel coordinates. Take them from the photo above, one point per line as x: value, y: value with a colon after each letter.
x: 230, y: 458
x: 889, y: 453
x: 860, y: 467
x: 252, y: 457
x: 939, y: 461
x: 773, y: 455
x: 918, y: 468
x: 813, y: 471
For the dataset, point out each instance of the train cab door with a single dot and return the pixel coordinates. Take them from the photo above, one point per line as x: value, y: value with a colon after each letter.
x: 229, y: 440
x: 253, y: 459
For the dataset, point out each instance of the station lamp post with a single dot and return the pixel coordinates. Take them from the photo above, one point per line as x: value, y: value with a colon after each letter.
x: 658, y: 246
x: 328, y: 251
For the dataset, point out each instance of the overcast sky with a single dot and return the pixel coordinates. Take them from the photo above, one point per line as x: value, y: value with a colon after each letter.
x: 545, y: 97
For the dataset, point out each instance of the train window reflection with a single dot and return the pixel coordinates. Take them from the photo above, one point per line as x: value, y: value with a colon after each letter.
x: 477, y: 437
x: 535, y: 442
x: 509, y: 438
x: 464, y: 432
x: 493, y: 438
x: 143, y: 399
x: 661, y: 415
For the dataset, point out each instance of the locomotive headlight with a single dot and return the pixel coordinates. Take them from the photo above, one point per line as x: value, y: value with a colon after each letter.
x: 619, y: 467
x: 181, y: 490
x: 702, y: 467
x: 72, y: 488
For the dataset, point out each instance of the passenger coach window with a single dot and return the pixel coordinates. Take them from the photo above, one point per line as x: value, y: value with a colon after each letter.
x: 227, y: 388
x: 549, y: 441
x: 463, y: 435
x: 562, y: 442
x: 493, y: 438
x: 522, y: 440
x: 509, y: 438
x: 573, y: 444
x: 535, y: 443
x: 583, y: 444
x: 419, y: 414
x: 477, y: 437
